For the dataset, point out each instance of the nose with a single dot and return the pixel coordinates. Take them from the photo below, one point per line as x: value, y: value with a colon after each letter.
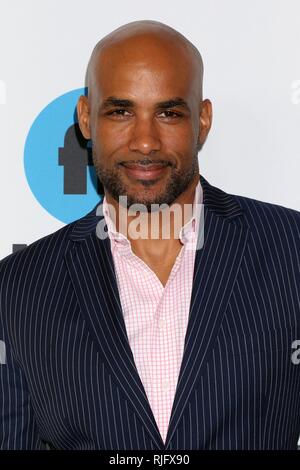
x: 144, y: 137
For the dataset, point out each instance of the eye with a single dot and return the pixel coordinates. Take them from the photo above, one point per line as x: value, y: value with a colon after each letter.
x: 118, y: 113
x: 168, y: 114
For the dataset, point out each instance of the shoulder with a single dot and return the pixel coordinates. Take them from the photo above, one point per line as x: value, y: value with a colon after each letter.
x: 257, y: 212
x: 42, y: 252
x: 51, y: 246
x: 273, y: 225
x: 45, y: 254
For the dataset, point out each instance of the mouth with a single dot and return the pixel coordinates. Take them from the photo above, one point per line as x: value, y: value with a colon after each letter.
x: 144, y: 172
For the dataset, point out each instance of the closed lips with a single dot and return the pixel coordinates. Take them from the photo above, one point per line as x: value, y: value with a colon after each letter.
x: 152, y: 166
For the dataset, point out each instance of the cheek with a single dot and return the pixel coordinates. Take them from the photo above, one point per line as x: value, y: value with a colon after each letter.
x: 107, y: 139
x: 182, y: 140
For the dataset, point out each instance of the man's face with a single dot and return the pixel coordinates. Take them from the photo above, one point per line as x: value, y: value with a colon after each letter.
x: 144, y: 122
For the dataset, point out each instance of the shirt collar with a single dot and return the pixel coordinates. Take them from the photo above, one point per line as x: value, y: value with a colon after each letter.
x: 187, y: 232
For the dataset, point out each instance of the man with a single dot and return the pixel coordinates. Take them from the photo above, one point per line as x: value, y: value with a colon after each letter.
x: 125, y: 342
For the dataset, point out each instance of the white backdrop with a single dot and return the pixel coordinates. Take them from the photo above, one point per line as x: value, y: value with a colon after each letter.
x: 252, y: 75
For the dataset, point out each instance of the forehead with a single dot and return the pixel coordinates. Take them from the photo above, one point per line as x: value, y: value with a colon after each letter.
x: 145, y: 68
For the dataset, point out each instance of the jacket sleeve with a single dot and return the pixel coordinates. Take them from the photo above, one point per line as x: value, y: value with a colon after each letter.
x: 18, y: 428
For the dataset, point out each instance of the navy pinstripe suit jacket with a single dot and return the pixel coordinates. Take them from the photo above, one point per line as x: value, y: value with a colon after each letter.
x: 69, y: 377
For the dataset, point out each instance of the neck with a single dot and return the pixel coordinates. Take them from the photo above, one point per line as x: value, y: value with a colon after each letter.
x: 150, y: 228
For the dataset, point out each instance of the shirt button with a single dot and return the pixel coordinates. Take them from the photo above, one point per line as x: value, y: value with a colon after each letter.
x: 162, y: 323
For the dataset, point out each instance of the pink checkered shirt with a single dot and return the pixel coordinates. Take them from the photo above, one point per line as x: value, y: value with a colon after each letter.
x: 156, y: 316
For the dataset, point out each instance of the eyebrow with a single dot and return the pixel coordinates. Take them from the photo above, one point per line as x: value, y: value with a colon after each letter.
x: 124, y: 103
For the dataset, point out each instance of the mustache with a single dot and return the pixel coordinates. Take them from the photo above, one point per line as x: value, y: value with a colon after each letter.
x: 148, y: 161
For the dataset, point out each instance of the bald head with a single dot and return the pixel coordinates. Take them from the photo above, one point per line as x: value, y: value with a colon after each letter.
x: 144, y: 39
x: 144, y: 107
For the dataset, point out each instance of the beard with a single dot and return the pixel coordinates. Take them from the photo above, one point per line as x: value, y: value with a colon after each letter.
x: 177, y: 182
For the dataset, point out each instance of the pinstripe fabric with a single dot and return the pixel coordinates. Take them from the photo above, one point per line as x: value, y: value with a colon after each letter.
x: 70, y: 379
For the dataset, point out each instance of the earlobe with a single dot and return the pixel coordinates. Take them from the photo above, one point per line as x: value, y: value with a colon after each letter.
x: 83, y: 114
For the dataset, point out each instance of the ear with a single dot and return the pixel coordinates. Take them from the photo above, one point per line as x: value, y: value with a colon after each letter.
x: 83, y: 113
x: 205, y: 120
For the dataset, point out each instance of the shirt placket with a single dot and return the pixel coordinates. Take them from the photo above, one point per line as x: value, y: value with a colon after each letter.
x: 164, y: 360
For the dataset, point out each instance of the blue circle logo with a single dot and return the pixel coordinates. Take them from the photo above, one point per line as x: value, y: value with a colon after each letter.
x: 58, y: 161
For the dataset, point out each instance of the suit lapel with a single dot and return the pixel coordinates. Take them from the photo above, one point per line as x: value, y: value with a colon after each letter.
x: 216, y: 268
x: 90, y: 264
